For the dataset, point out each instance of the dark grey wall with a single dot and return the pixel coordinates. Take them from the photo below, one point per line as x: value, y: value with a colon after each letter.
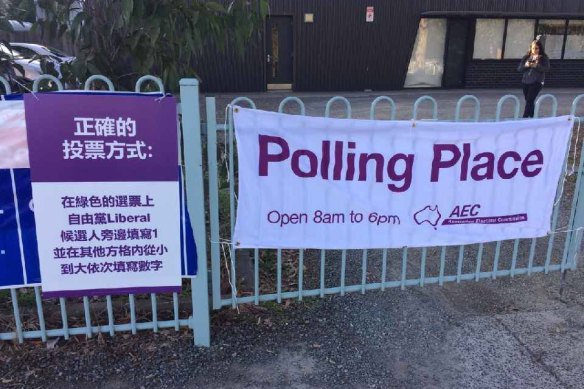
x: 502, y: 74
x: 340, y: 51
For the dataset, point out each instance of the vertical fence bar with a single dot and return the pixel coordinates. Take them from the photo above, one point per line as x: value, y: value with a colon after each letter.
x: 64, y: 320
x: 343, y: 270
x: 423, y: 265
x: 533, y: 244
x: 39, y: 304
x: 479, y: 262
x: 279, y: 274
x: 301, y: 251
x: 231, y: 168
x: 498, y: 118
x: 213, y: 201
x: 132, y: 313
x: 514, y: 260
x: 256, y: 276
x: 6, y: 84
x: 231, y: 158
x: 300, y: 274
x: 496, y: 260
x: 88, y: 330
x: 327, y: 113
x: 383, y: 269
x: 322, y: 270
x: 176, y: 311
x: 16, y: 311
x: 531, y: 256
x: 195, y: 189
x: 154, y: 312
x: 404, y: 267
x: 459, y: 265
x: 424, y: 250
x: 364, y: 271
x: 477, y: 114
x: 110, y: 315
x: 571, y: 254
x: 555, y: 213
x: 442, y: 266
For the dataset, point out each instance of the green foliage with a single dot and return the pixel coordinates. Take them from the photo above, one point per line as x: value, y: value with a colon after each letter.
x: 22, y: 10
x: 13, y: 10
x: 125, y: 39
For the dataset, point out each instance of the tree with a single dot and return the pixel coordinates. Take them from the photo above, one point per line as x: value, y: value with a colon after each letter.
x: 13, y: 11
x: 124, y: 39
x: 21, y: 10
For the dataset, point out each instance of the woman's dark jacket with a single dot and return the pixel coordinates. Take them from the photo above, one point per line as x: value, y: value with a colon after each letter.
x: 535, y: 74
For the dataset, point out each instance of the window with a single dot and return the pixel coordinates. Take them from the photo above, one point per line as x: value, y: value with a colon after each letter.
x: 25, y: 52
x: 427, y: 61
x: 552, y: 32
x: 488, y: 42
x: 519, y: 36
x: 575, y: 40
x: 561, y: 39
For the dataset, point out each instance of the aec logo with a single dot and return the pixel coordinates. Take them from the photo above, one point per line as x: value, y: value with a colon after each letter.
x: 432, y: 216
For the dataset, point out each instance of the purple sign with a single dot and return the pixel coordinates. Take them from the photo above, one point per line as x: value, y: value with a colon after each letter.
x: 106, y: 193
x: 101, y: 138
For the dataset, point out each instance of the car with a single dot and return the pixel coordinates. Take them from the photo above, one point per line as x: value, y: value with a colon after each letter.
x: 33, y: 51
x: 27, y: 56
x: 28, y: 69
x: 30, y: 50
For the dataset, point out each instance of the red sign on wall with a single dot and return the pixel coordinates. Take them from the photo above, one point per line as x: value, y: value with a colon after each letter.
x: 369, y: 15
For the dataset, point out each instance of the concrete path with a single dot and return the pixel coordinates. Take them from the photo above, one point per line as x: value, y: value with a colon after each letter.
x: 404, y: 99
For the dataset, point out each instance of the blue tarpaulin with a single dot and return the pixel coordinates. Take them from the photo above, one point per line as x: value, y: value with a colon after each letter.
x: 19, y: 261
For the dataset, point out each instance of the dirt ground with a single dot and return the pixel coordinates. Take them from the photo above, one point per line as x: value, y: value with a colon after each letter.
x: 504, y: 333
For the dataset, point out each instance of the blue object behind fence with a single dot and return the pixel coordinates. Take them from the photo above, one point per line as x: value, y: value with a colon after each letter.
x: 19, y: 261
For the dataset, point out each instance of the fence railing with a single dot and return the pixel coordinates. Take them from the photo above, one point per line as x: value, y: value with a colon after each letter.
x: 241, y: 276
x: 35, y: 318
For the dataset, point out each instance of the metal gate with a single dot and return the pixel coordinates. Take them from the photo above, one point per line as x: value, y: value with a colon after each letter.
x: 251, y: 276
x: 241, y: 276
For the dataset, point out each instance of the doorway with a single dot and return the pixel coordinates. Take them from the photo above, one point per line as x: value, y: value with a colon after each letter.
x: 456, y: 53
x: 279, y: 52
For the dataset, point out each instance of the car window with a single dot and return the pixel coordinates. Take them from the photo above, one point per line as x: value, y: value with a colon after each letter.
x: 15, y: 53
x: 24, y: 52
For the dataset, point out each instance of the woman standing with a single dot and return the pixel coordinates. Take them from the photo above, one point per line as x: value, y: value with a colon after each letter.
x: 534, y: 65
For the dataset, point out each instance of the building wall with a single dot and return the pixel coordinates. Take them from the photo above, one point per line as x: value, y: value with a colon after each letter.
x: 341, y: 52
x: 504, y: 74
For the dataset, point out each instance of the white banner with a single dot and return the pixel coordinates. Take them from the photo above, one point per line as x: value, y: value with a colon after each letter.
x: 307, y: 182
x: 99, y: 246
x: 13, y: 146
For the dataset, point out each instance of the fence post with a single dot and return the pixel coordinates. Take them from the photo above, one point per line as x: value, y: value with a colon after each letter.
x: 575, y: 236
x: 191, y: 127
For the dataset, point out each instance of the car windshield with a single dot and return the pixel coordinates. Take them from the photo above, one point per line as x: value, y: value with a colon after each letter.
x: 15, y: 53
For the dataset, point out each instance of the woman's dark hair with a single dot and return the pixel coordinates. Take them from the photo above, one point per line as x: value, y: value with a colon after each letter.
x: 538, y: 43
